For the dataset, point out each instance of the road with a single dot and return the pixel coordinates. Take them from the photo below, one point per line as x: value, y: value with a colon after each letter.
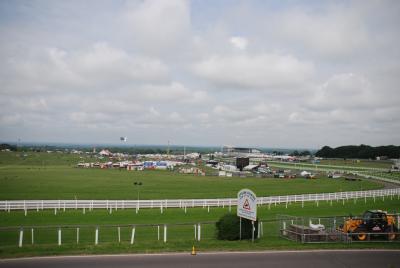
x: 290, y: 259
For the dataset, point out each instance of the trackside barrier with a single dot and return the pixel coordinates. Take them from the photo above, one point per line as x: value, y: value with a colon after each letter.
x: 129, y: 234
x: 96, y: 234
x: 184, y: 203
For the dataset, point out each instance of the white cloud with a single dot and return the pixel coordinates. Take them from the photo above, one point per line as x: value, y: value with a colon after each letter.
x: 334, y: 31
x: 101, y: 65
x: 105, y: 63
x: 174, y: 91
x: 255, y: 71
x: 196, y: 73
x: 347, y: 90
x: 239, y: 42
x: 156, y: 27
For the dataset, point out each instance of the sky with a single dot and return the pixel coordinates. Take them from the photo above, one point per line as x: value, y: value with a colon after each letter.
x: 292, y: 74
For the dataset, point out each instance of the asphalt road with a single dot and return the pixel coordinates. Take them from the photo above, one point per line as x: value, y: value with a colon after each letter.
x: 276, y: 259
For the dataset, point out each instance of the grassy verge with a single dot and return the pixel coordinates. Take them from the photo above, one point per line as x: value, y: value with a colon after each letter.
x: 180, y: 237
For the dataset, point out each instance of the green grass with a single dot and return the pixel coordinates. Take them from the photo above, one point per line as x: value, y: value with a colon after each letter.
x: 60, y: 182
x: 387, y: 175
x: 180, y: 237
x: 332, y: 165
x: 357, y: 163
x: 53, y: 176
x: 41, y: 159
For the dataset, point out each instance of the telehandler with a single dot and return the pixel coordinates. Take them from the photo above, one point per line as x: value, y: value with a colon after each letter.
x: 372, y: 222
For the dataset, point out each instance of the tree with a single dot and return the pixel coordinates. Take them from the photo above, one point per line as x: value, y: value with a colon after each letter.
x: 228, y: 228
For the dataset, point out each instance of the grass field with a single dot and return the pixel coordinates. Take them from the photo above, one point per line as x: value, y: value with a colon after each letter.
x: 53, y: 176
x: 357, y: 163
x: 60, y: 182
x: 324, y: 167
x: 388, y: 175
x: 180, y: 237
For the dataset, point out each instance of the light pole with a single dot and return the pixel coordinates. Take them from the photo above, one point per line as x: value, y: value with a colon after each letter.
x: 137, y: 184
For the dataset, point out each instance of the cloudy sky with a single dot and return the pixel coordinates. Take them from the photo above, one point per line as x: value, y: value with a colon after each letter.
x: 247, y: 73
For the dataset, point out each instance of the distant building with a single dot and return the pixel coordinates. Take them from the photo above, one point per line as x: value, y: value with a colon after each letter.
x: 396, y: 166
x: 242, y: 162
x: 239, y: 151
x: 105, y: 153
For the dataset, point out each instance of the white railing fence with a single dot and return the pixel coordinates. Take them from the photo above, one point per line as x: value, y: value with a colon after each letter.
x: 8, y: 205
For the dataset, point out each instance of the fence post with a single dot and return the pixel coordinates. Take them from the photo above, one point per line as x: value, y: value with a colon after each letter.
x: 195, y: 232
x: 77, y: 235
x: 133, y: 235
x: 96, y: 237
x: 262, y: 228
x: 59, y: 236
x: 158, y: 232
x: 32, y: 236
x: 398, y: 222
x: 284, y: 228
x: 21, y: 237
x: 165, y: 233
x: 198, y: 232
x: 119, y: 234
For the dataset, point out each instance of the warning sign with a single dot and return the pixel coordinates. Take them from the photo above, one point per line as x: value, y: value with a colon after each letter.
x: 247, y: 205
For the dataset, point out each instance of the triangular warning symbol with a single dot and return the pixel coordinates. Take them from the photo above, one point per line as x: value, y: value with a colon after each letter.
x: 246, y: 204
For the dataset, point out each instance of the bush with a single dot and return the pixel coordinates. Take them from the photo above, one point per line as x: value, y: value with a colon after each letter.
x: 228, y: 228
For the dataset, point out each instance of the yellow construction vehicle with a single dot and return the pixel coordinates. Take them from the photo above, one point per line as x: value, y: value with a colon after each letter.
x: 373, y: 222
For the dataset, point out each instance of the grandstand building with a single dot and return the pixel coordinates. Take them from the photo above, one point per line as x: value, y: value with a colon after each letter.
x: 239, y: 151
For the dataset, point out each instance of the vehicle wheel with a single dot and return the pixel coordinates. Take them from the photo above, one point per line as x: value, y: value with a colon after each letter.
x: 391, y: 232
x: 361, y: 234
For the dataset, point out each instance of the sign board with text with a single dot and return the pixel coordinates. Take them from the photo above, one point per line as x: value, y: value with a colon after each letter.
x: 247, y: 205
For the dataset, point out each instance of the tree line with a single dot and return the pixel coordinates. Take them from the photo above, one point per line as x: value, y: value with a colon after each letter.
x: 362, y: 151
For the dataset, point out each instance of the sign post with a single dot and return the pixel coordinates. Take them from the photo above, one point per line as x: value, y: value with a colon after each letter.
x: 247, y: 208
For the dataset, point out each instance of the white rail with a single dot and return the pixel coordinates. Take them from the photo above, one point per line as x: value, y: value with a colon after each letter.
x: 186, y: 203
